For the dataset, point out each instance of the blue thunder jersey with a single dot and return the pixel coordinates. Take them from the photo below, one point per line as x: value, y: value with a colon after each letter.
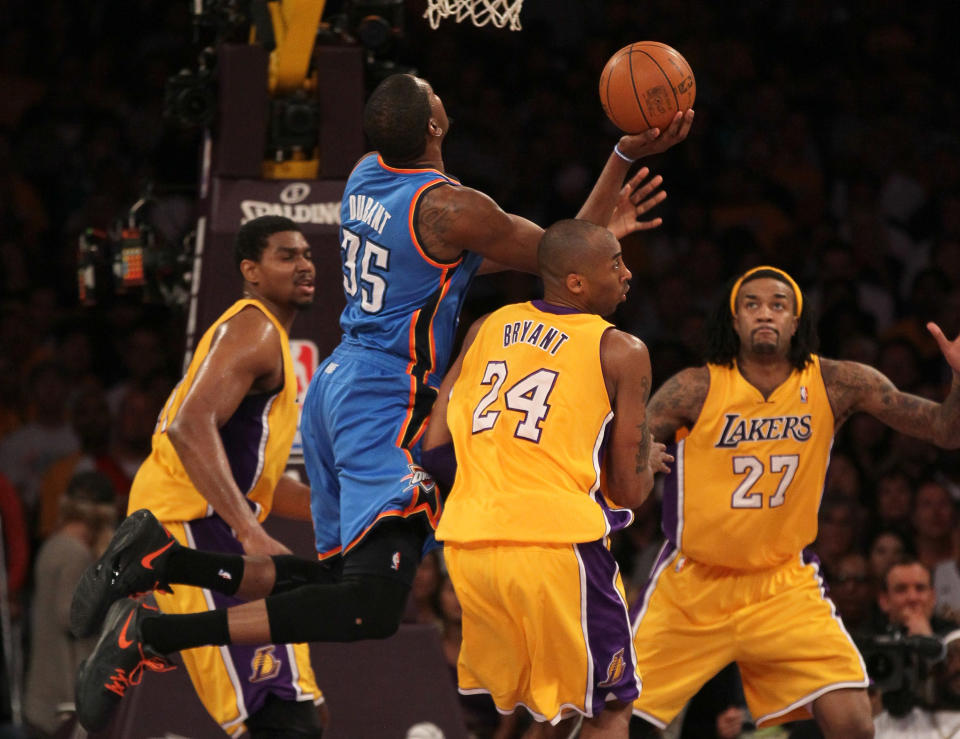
x: 399, y: 299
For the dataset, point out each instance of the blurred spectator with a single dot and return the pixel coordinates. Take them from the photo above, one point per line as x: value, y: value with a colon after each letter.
x: 92, y: 424
x: 906, y: 597
x: 894, y: 498
x: 886, y: 547
x: 934, y: 524
x: 26, y: 453
x: 853, y: 592
x: 838, y: 533
x: 946, y: 587
x: 16, y: 552
x: 143, y: 357
x: 843, y: 479
x: 87, y: 516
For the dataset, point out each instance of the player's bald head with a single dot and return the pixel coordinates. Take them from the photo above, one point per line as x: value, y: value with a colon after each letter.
x: 569, y: 246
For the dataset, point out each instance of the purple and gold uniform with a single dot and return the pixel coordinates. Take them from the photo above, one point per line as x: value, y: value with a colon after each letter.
x: 231, y: 681
x: 732, y: 582
x: 526, y: 526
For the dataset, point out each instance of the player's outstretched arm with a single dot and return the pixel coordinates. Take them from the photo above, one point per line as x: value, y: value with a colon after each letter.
x: 631, y: 461
x: 604, y: 197
x: 853, y: 387
x: 245, y: 350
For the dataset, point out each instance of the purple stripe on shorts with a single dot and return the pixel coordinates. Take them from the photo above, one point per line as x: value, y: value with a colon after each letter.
x: 260, y: 670
x: 608, y: 631
x: 617, y: 518
x: 666, y: 552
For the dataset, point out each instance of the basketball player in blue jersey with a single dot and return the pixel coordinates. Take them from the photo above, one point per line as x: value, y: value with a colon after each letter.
x: 412, y: 238
x: 754, y: 429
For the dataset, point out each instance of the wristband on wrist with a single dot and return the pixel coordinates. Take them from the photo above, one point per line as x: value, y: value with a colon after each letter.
x: 624, y: 157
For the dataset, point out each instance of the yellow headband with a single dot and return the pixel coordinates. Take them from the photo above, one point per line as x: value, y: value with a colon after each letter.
x: 786, y: 278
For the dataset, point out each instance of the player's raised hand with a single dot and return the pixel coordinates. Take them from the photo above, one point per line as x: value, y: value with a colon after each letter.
x: 950, y: 349
x: 636, y: 198
x: 659, y: 458
x: 653, y: 140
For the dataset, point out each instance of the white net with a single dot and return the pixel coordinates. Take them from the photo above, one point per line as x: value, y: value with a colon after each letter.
x: 480, y: 12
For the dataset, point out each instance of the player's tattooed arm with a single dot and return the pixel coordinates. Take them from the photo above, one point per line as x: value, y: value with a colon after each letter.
x: 450, y: 220
x: 643, y: 449
x: 677, y: 403
x: 632, y: 455
x: 853, y: 387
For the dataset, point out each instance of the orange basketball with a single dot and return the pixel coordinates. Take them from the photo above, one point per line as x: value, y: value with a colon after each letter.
x: 644, y: 84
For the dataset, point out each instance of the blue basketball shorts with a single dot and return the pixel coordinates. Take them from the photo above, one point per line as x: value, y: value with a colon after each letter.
x: 362, y: 420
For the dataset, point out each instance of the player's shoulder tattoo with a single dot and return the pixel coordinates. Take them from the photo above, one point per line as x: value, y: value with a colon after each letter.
x: 438, y: 212
x: 678, y: 401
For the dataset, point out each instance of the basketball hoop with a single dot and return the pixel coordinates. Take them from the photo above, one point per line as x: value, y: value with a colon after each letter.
x: 480, y: 12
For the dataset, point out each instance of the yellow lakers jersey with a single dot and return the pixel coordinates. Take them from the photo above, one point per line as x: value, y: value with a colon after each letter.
x: 745, y: 489
x: 257, y: 439
x: 527, y: 415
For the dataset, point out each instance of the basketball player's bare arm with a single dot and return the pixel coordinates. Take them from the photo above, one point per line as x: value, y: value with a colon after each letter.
x: 245, y: 357
x: 678, y: 402
x: 853, y: 387
x: 633, y: 457
x: 453, y: 219
x: 599, y: 206
x: 291, y: 499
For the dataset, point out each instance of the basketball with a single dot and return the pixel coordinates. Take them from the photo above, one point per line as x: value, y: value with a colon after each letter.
x: 643, y: 86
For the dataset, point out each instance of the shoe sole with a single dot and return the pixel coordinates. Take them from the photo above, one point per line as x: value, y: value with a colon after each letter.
x: 92, y: 597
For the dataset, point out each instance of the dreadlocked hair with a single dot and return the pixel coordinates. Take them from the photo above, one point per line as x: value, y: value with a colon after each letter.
x: 723, y: 344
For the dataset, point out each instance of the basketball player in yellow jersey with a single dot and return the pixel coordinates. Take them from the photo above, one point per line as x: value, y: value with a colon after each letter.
x: 216, y: 470
x: 543, y: 395
x: 732, y: 582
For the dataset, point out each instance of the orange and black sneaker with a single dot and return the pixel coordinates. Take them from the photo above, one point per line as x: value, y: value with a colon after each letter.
x: 116, y: 663
x: 132, y: 564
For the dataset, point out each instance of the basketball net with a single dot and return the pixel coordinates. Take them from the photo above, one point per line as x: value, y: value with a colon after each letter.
x: 480, y: 12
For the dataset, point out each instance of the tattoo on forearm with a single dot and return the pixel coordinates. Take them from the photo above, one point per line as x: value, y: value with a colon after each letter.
x: 853, y: 387
x: 643, y: 451
x: 645, y: 388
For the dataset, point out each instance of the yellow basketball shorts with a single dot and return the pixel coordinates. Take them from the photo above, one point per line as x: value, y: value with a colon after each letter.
x: 545, y: 627
x: 778, y: 625
x: 233, y: 681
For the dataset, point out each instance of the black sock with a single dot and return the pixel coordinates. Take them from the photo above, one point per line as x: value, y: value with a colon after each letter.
x: 171, y: 632
x: 293, y: 572
x: 213, y: 570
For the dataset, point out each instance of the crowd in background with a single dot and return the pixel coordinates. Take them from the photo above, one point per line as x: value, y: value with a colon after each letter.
x: 825, y: 143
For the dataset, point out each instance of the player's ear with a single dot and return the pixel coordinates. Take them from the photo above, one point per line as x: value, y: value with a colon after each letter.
x: 434, y: 128
x: 574, y: 283
x: 250, y: 271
